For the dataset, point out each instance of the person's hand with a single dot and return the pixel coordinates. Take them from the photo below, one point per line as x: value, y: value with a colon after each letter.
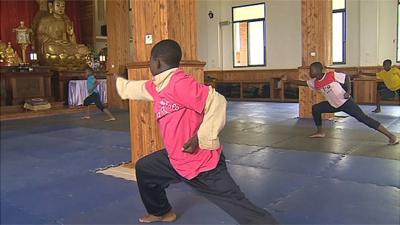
x: 347, y: 95
x: 191, y: 145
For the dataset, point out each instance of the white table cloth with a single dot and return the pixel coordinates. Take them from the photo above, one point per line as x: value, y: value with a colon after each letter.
x: 77, y: 91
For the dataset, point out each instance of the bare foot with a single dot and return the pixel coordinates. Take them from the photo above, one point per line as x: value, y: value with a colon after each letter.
x: 394, y: 141
x: 377, y: 110
x: 167, y: 217
x: 110, y: 119
x: 317, y: 135
x: 85, y: 117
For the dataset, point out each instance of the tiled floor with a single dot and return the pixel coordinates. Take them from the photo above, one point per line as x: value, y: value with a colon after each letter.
x: 351, y: 177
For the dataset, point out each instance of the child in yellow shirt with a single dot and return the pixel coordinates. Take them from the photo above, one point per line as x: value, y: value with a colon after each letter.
x: 391, y: 79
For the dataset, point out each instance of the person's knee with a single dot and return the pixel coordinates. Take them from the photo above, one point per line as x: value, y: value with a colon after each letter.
x: 142, y: 164
x: 315, y: 108
x: 101, y: 107
x: 368, y: 121
x: 362, y: 118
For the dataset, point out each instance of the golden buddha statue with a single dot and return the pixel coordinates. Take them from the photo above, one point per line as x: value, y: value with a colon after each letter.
x: 3, y: 48
x: 56, y: 41
x: 44, y: 10
x: 10, y: 56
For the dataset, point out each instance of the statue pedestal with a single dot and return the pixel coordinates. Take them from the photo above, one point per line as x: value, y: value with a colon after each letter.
x: 17, y: 86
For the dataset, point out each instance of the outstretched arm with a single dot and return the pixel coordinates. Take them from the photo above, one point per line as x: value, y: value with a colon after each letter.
x: 367, y: 74
x: 294, y: 81
x: 130, y: 89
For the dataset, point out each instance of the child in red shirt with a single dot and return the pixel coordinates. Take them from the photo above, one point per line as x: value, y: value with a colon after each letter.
x: 190, y: 116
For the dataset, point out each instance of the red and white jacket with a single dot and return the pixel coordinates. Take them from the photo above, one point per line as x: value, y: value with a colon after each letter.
x: 331, y: 88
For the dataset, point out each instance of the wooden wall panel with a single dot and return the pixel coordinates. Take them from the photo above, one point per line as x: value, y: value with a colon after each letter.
x: 117, y: 47
x: 183, y: 26
x: 364, y: 88
x: 251, y: 75
x: 87, y: 20
x: 165, y: 19
x: 147, y: 16
x: 316, y: 22
x: 316, y: 28
x: 144, y: 138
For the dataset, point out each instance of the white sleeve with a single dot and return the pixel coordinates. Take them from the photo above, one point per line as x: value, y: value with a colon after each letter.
x: 340, y: 77
x: 132, y: 89
x: 311, y: 83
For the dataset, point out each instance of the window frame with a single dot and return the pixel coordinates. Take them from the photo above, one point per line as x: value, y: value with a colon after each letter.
x: 344, y: 33
x: 249, y: 21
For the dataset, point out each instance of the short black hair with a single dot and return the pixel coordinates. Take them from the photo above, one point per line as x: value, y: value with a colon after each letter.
x: 167, y: 51
x: 387, y: 61
x: 316, y: 66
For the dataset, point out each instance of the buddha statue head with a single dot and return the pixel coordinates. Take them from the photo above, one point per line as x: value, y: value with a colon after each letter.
x: 58, y: 8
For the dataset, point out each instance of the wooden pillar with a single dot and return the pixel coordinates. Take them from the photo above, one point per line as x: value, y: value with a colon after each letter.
x: 163, y: 19
x: 117, y: 13
x: 316, y: 28
x: 87, y: 21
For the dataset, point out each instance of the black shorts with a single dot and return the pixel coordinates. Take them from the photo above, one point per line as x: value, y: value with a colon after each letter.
x: 385, y: 92
x: 94, y: 98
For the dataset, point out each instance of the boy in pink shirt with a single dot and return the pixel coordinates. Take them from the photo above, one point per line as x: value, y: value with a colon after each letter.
x: 190, y: 116
x: 338, y: 99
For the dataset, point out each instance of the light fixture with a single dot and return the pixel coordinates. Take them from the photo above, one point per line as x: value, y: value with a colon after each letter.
x: 102, y: 58
x: 210, y: 14
x: 33, y: 55
x: 23, y: 37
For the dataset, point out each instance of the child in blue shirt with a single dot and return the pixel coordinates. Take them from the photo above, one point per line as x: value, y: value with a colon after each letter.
x: 94, y: 96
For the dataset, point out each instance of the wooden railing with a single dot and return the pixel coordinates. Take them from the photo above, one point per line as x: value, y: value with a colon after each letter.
x: 364, y: 88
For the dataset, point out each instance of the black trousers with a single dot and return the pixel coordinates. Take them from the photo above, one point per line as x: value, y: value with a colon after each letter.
x: 383, y: 90
x: 154, y: 173
x: 349, y: 107
x: 94, y: 98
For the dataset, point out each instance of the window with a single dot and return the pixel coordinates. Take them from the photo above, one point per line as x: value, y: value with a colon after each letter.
x: 398, y: 31
x: 248, y: 35
x: 339, y: 31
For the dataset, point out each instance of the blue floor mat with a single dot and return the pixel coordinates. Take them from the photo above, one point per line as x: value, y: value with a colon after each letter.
x: 48, y: 171
x: 362, y: 169
x: 331, y: 201
x: 13, y: 215
x: 234, y: 151
x: 265, y: 187
x: 309, y: 163
x: 70, y: 196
